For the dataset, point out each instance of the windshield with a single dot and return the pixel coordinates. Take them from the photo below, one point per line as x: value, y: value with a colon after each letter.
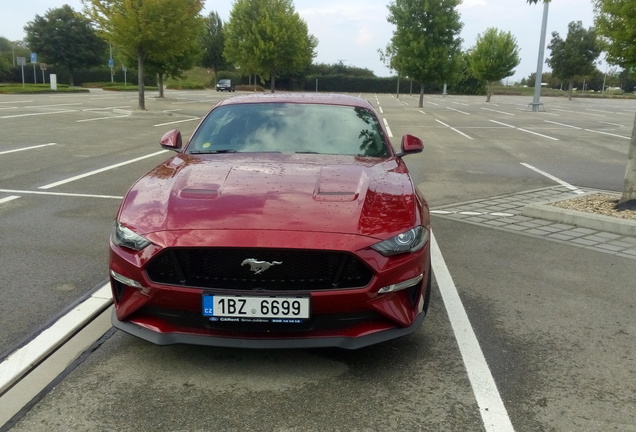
x: 290, y: 128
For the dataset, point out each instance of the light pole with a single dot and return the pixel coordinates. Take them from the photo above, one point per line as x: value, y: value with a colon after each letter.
x: 537, y: 80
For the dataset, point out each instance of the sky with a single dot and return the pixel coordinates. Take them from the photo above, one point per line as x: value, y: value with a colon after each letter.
x: 352, y: 31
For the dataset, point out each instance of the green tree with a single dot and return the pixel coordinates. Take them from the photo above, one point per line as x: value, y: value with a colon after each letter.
x: 268, y: 37
x: 616, y: 23
x: 5, y: 67
x: 426, y: 44
x: 6, y: 57
x: 213, y: 41
x: 576, y: 55
x: 65, y: 37
x: 468, y: 83
x: 160, y: 33
x: 494, y: 57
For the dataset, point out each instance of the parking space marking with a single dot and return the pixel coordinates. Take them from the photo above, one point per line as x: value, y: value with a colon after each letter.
x: 491, y: 407
x: 37, y: 114
x: 178, y: 121
x: 101, y: 170
x: 525, y: 130
x: 9, y: 198
x: 64, y: 194
x: 388, y: 129
x: 590, y: 130
x: 611, y: 124
x: 54, y: 105
x: 461, y: 112
x: 106, y: 108
x: 562, y: 124
x: 101, y: 118
x: 580, y: 112
x: 500, y: 112
x: 27, y: 148
x: 453, y: 129
x: 607, y: 133
x: 556, y: 179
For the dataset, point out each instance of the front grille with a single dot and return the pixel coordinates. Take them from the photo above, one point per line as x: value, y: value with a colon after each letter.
x: 300, y: 270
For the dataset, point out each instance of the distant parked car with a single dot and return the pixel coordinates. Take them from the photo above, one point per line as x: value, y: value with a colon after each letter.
x: 225, y: 85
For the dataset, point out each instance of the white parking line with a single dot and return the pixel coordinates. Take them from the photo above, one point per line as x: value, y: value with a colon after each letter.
x: 37, y: 114
x: 601, y: 111
x: 64, y: 194
x: 500, y: 112
x: 388, y: 129
x: 101, y: 118
x: 611, y: 124
x: 461, y: 112
x: 590, y: 130
x: 556, y: 179
x: 453, y: 129
x: 101, y: 170
x: 580, y: 112
x: 178, y: 121
x: 525, y: 130
x: 607, y: 133
x: 9, y: 198
x: 22, y: 360
x: 563, y: 124
x: 54, y: 105
x: 106, y: 108
x: 491, y: 406
x: 27, y: 148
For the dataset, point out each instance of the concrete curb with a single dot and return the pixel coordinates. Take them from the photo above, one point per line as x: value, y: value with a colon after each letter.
x: 581, y: 219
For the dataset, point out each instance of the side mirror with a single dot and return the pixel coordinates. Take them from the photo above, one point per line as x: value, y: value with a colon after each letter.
x: 172, y: 140
x: 411, y: 144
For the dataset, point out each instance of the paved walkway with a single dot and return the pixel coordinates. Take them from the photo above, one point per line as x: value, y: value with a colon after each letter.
x: 505, y: 212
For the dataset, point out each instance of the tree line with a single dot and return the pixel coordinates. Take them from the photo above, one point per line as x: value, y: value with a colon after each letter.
x: 268, y: 39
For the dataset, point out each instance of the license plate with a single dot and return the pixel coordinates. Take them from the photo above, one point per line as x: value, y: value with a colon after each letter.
x: 221, y: 306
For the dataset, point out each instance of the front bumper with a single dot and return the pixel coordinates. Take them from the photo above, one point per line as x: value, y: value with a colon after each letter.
x: 263, y: 342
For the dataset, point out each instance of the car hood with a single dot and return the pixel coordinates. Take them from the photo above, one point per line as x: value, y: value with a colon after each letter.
x: 312, y: 193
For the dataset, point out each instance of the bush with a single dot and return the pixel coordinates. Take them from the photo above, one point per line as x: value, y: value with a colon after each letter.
x: 250, y: 88
x: 39, y: 88
x: 185, y: 85
x: 614, y: 91
x: 121, y: 87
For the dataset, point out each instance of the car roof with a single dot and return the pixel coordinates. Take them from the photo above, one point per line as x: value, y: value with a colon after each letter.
x: 300, y: 98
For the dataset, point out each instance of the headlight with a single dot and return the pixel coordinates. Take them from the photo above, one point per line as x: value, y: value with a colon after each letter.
x: 409, y: 241
x: 126, y: 237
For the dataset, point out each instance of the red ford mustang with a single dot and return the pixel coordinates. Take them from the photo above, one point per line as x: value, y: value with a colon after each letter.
x: 285, y: 221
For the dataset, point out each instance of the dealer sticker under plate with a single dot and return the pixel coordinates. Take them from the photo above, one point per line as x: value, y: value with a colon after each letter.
x: 284, y: 308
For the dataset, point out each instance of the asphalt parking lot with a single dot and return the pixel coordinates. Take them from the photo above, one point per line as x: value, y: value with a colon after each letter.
x: 531, y: 326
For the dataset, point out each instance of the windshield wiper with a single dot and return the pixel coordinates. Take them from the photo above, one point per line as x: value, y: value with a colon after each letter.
x: 213, y: 151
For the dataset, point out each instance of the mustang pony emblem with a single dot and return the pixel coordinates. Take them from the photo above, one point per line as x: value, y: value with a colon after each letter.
x: 259, y: 266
